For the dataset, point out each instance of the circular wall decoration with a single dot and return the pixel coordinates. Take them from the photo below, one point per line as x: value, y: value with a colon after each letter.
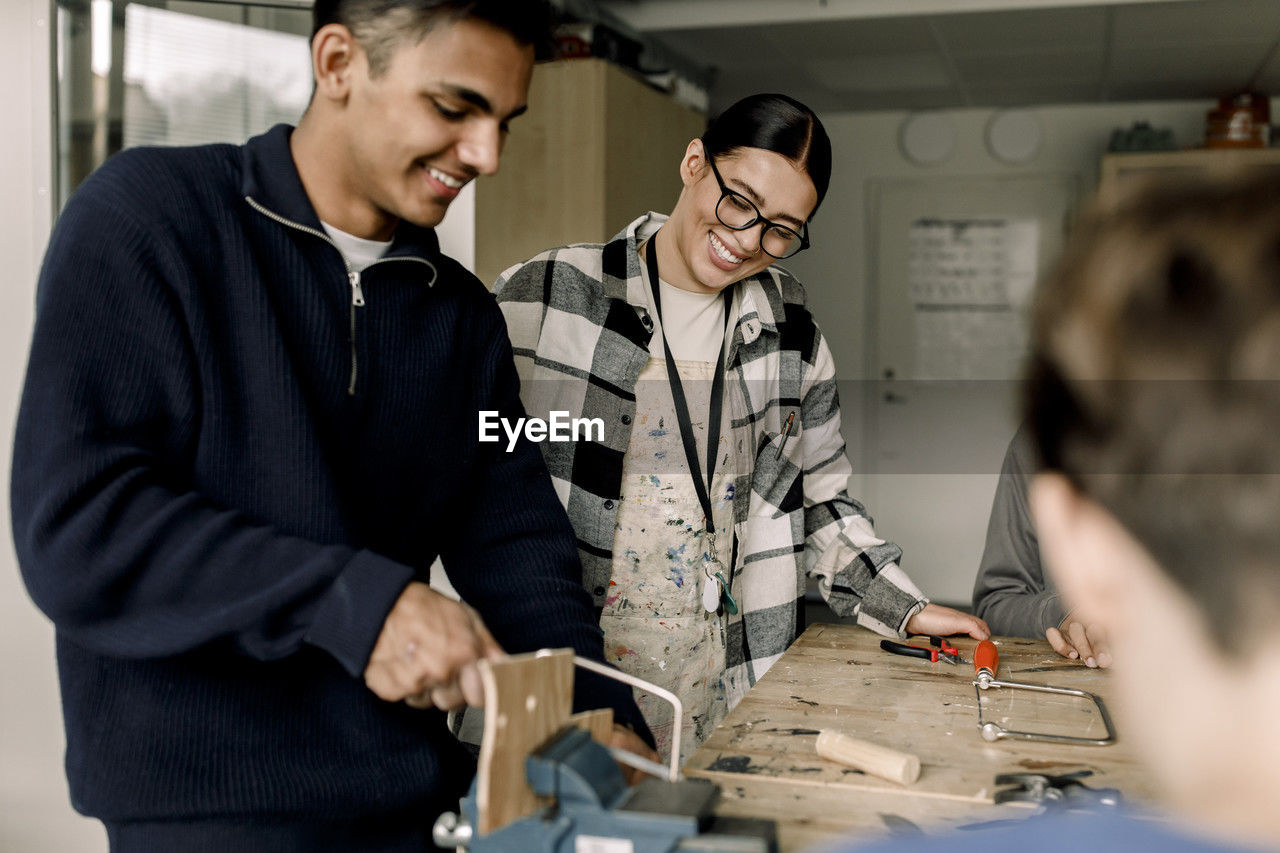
x: 1014, y: 136
x: 927, y: 138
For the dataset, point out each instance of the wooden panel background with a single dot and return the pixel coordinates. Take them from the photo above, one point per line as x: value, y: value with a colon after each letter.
x: 596, y: 149
x: 550, y: 187
x: 646, y: 135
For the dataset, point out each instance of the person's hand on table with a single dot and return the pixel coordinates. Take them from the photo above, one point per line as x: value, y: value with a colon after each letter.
x: 1077, y: 638
x: 623, y: 738
x: 941, y: 621
x: 427, y: 652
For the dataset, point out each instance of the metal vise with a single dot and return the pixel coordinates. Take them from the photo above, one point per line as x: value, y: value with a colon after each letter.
x: 1065, y: 791
x: 592, y: 808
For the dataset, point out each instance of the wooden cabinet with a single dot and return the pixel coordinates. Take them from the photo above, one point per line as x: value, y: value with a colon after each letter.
x: 597, y: 149
x: 1120, y: 171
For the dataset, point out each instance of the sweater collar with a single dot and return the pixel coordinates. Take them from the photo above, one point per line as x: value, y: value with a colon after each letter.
x: 270, y: 179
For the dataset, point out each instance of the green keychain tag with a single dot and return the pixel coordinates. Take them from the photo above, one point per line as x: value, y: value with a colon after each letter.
x: 726, y: 596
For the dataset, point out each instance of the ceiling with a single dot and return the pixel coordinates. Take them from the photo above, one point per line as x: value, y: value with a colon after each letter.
x: 926, y: 54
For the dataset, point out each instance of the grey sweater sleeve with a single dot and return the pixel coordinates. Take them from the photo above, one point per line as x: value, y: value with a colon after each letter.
x: 1012, y: 593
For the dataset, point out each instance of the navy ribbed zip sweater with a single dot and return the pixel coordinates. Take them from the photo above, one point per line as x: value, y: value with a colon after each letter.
x: 225, y: 472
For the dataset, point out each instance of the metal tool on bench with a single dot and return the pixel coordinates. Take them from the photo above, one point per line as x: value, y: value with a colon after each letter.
x: 942, y: 650
x: 1053, y: 792
x: 986, y: 660
x: 945, y: 647
x: 576, y: 798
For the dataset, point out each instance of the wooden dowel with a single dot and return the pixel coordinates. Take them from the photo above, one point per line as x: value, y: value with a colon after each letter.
x: 900, y: 767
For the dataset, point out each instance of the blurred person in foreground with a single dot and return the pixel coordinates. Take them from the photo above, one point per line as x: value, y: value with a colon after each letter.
x: 1153, y: 397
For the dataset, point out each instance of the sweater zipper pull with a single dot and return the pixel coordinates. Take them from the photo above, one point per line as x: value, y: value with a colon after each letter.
x: 357, y: 292
x: 357, y: 301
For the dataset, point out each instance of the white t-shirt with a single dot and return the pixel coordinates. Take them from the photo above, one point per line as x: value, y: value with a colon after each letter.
x: 358, y: 251
x: 694, y: 322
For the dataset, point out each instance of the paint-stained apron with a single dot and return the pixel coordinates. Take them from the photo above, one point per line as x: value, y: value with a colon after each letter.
x: 655, y: 626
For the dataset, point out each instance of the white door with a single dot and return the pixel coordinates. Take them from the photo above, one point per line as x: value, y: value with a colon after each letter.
x: 953, y: 266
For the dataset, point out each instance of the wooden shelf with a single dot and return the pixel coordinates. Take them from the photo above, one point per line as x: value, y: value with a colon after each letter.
x: 1120, y: 171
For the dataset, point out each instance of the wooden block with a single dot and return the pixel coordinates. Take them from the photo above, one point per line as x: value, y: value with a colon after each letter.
x: 598, y: 722
x: 527, y: 699
x: 900, y: 767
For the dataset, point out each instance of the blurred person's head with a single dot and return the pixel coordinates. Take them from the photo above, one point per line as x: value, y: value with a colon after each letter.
x: 766, y: 157
x: 413, y: 100
x: 1154, y: 397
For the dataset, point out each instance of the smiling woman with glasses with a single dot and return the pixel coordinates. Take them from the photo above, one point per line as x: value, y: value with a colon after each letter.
x: 736, y: 211
x: 719, y: 482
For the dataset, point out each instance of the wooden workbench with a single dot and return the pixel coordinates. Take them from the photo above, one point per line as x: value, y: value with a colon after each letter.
x: 837, y: 677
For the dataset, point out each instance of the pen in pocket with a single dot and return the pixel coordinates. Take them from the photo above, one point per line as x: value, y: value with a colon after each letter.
x: 786, y: 433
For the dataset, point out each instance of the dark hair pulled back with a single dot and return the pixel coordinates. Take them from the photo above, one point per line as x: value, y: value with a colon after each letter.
x: 774, y: 123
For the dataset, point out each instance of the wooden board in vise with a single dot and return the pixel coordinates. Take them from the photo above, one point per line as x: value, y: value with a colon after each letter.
x: 597, y: 723
x: 527, y: 699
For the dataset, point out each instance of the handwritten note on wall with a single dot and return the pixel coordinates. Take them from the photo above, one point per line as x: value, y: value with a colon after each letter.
x: 970, y: 281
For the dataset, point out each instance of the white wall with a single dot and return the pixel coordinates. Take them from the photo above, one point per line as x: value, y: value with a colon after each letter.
x: 866, y: 148
x: 35, y: 813
x: 836, y: 276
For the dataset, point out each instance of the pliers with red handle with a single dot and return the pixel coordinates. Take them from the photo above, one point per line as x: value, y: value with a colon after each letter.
x: 941, y: 649
x: 947, y: 648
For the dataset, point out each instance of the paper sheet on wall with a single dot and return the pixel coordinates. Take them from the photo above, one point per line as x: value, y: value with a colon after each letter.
x: 971, y: 280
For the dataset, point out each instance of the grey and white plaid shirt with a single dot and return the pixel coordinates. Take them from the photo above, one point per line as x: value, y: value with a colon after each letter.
x: 580, y: 325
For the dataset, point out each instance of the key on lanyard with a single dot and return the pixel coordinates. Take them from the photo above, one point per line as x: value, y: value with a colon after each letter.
x: 716, y: 589
x: 711, y: 584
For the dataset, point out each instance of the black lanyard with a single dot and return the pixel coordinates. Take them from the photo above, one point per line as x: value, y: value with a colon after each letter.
x: 682, y: 407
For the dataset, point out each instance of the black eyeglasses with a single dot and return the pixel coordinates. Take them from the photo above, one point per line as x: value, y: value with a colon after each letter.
x: 737, y: 212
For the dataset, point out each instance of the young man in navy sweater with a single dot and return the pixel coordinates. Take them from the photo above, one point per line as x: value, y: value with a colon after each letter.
x: 248, y: 428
